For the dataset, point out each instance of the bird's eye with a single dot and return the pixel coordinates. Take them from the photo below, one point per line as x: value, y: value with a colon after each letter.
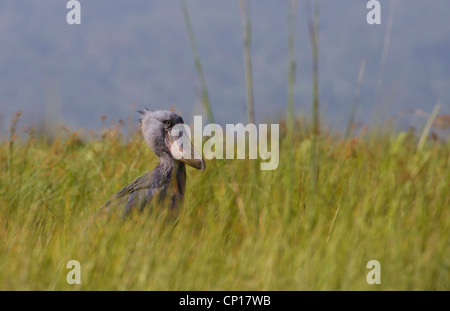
x: 168, y: 123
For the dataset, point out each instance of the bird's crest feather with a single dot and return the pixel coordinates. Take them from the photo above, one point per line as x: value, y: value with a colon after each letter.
x: 143, y: 112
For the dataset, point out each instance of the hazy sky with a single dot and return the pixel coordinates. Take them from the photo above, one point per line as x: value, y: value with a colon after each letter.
x: 136, y: 53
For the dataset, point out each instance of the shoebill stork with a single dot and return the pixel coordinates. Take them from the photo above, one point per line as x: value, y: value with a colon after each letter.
x: 165, y: 184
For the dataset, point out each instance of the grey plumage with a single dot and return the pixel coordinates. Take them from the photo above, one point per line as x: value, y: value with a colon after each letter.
x: 164, y: 185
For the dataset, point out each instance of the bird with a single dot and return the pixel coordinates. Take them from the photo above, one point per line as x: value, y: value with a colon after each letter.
x: 165, y: 184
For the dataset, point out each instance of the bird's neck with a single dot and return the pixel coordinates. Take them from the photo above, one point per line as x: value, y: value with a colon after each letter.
x: 175, y: 172
x: 169, y: 166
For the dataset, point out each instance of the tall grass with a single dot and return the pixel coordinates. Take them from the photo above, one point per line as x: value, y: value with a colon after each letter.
x: 198, y: 65
x: 379, y: 104
x: 313, y: 30
x: 247, y: 38
x: 378, y: 198
x: 290, y: 117
x: 351, y: 119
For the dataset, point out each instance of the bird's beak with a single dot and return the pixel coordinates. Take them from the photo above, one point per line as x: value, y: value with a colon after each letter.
x: 183, y: 150
x: 199, y: 164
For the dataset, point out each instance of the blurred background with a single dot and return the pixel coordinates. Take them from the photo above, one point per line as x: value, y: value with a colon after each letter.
x: 127, y: 55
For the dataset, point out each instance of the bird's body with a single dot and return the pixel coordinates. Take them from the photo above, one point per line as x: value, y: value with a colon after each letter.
x: 164, y: 185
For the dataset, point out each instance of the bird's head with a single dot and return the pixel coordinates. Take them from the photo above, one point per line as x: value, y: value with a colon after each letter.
x: 157, y: 129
